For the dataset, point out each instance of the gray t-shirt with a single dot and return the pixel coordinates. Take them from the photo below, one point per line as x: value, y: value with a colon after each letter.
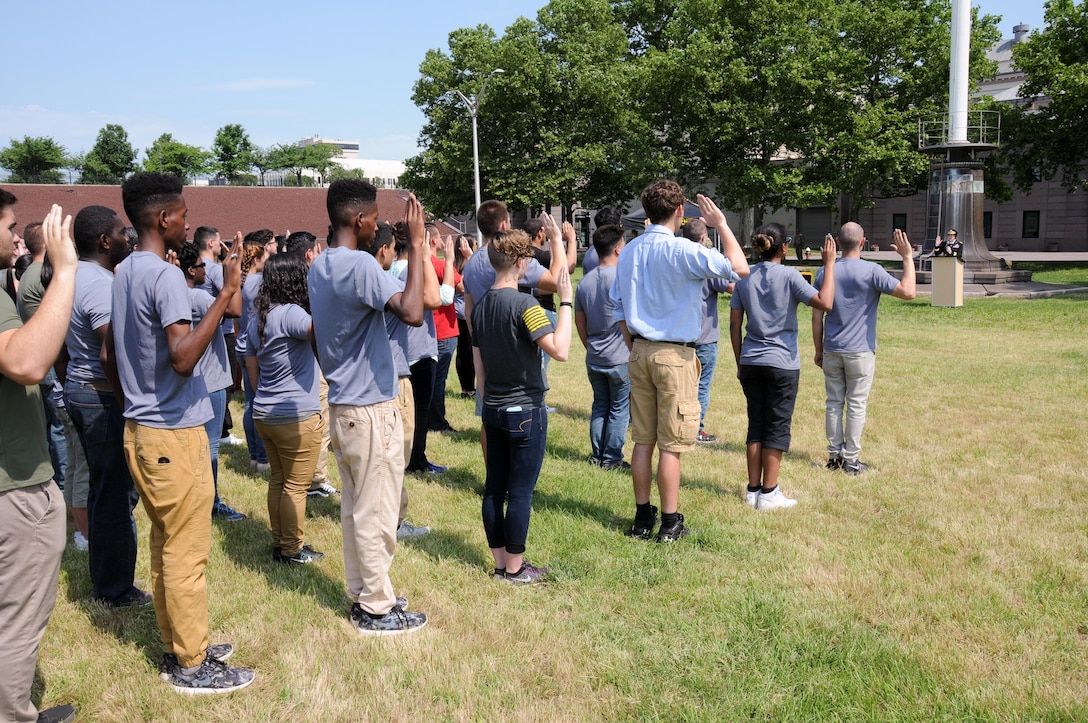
x: 708, y: 329
x: 90, y: 311
x: 398, y: 339
x: 479, y: 275
x: 148, y: 296
x: 213, y: 284
x: 422, y: 340
x: 850, y: 326
x: 288, y: 383
x: 214, y: 365
x: 606, y: 345
x: 348, y: 294
x: 249, y: 295
x: 769, y: 297
x: 507, y: 324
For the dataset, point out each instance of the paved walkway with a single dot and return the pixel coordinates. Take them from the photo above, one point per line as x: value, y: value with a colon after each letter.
x: 1023, y: 290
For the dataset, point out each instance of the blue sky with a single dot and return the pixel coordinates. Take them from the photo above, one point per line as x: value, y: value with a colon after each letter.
x: 285, y: 71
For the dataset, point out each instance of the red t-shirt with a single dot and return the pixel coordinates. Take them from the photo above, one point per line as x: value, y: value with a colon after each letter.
x: 445, y: 318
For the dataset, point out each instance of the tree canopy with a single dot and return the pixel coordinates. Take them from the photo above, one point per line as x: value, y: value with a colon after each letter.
x: 111, y: 159
x: 34, y: 160
x: 167, y: 155
x: 774, y: 103
x: 232, y: 152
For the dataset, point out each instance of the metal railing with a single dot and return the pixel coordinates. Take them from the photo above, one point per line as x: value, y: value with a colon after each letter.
x: 983, y: 128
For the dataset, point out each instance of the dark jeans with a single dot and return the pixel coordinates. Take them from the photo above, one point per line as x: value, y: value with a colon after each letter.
x: 253, y: 440
x: 58, y: 449
x: 515, y: 453
x: 422, y: 387
x: 610, y: 414
x: 466, y: 372
x: 213, y: 427
x: 436, y: 418
x: 100, y: 425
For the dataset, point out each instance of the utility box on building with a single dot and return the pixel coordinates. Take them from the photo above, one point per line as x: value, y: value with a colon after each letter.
x: 947, y: 281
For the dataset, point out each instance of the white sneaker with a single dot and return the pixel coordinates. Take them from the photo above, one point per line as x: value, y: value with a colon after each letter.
x: 407, y: 529
x: 259, y: 467
x: 79, y: 541
x: 752, y: 498
x: 232, y: 440
x: 774, y: 500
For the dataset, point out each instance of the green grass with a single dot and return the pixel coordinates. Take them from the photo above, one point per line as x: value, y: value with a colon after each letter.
x: 947, y: 584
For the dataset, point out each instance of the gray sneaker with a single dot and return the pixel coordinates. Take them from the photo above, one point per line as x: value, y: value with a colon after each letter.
x: 220, y: 652
x: 212, y: 677
x: 394, y: 622
x: 527, y: 575
x: 853, y: 469
x: 407, y: 529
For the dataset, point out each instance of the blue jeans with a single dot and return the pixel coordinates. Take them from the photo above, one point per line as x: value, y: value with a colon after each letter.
x: 214, y: 428
x: 58, y: 449
x: 253, y: 440
x: 437, y: 417
x: 515, y: 453
x: 100, y: 425
x: 708, y: 359
x: 611, y: 411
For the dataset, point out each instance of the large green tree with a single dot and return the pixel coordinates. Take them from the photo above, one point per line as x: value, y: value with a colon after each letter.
x: 232, y: 152
x: 34, y: 160
x: 167, y: 155
x: 111, y: 159
x: 297, y: 159
x: 1050, y: 138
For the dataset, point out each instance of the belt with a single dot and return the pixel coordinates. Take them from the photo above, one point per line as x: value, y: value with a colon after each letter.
x: 689, y: 344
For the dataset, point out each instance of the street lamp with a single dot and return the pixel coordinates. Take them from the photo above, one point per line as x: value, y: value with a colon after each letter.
x: 473, y: 106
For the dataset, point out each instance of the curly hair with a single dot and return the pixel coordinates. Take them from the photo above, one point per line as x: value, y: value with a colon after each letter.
x: 660, y: 200
x: 768, y: 240
x: 507, y: 247
x: 284, y: 282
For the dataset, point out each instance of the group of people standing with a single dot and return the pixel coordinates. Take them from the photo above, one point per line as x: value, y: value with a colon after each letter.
x: 341, y: 348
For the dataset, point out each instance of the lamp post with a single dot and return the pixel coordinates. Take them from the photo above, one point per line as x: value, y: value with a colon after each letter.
x: 473, y: 106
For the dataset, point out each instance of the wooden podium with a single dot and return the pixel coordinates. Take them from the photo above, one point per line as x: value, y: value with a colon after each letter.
x: 947, y: 281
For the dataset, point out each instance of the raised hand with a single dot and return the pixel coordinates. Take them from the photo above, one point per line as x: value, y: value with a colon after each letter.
x: 901, y: 243
x: 712, y: 215
x: 58, y: 240
x: 827, y: 253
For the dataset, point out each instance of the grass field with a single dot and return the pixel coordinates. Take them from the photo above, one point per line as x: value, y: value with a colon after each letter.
x: 949, y: 583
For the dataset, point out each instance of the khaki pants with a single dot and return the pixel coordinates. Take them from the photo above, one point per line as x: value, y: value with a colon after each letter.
x: 406, y: 403
x: 172, y: 470
x: 369, y: 446
x: 321, y: 473
x: 292, y: 453
x: 31, y: 542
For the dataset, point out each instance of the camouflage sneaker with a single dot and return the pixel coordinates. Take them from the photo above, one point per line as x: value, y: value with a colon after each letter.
x: 210, y: 678
x: 220, y: 652
x: 394, y: 622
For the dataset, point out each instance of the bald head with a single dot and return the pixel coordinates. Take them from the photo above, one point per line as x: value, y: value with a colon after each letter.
x: 850, y: 237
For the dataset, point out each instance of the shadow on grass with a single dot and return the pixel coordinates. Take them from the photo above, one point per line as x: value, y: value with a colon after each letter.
x: 443, y: 545
x: 248, y: 543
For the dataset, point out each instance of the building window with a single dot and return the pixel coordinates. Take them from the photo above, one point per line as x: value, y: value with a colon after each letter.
x: 1031, y: 224
x: 988, y: 224
x: 899, y: 222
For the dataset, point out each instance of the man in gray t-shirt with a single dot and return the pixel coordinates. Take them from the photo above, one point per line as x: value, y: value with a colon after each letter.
x: 606, y: 352
x: 845, y: 340
x: 349, y: 293
x: 156, y: 350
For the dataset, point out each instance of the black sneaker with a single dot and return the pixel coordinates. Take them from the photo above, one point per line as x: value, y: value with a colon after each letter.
x: 304, y: 556
x: 212, y: 677
x: 834, y: 462
x: 620, y: 465
x: 394, y: 622
x: 223, y: 511
x: 220, y: 652
x: 675, y: 532
x: 706, y: 438
x: 59, y: 714
x: 134, y: 598
x: 499, y: 573
x: 854, y: 468
x: 643, y: 529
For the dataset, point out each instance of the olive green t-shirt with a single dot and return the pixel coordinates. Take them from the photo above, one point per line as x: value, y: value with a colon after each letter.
x: 24, y: 451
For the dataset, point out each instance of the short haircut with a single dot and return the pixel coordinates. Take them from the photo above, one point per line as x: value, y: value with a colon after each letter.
x: 532, y: 227
x: 347, y: 198
x: 132, y: 237
x: 383, y: 236
x: 607, y: 216
x: 189, y: 256
x: 850, y: 236
x: 694, y: 230
x: 7, y: 198
x: 145, y: 194
x: 34, y: 238
x: 432, y: 230
x: 507, y: 247
x: 90, y: 224
x: 490, y: 217
x: 203, y: 235
x: 660, y: 200
x: 606, y: 238
x: 768, y: 239
x: 301, y: 241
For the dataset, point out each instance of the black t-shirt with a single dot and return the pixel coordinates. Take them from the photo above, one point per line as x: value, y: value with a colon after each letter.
x: 506, y: 325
